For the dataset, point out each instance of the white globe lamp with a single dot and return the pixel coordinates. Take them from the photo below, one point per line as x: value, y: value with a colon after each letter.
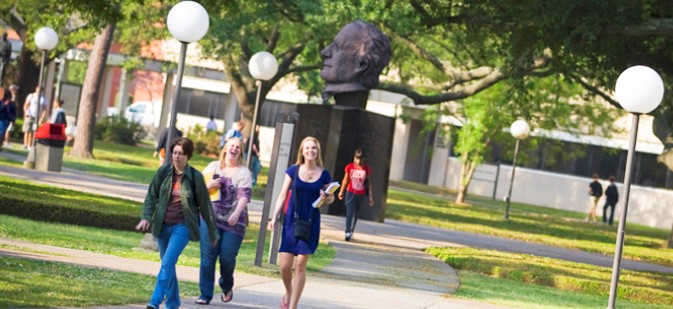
x: 519, y: 129
x: 263, y: 66
x: 188, y: 21
x: 46, y: 38
x: 639, y: 89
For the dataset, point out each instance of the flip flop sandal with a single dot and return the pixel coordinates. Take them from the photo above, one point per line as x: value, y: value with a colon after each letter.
x: 284, y: 304
x: 202, y: 301
x: 228, y: 296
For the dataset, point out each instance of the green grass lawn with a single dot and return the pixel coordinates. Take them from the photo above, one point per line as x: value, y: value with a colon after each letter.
x: 550, y: 276
x: 514, y: 294
x: 27, y: 283
x: 528, y: 223
x: 119, y: 243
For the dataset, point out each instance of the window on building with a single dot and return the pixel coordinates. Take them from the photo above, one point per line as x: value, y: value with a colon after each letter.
x: 202, y: 103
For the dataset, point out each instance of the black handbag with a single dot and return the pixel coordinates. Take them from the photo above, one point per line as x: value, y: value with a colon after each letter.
x: 302, y: 228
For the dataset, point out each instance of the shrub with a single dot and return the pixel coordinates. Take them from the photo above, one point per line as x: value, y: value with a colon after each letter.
x: 45, y: 203
x: 117, y: 129
x: 206, y: 143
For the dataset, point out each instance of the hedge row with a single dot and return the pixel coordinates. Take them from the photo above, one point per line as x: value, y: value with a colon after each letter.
x: 53, y: 212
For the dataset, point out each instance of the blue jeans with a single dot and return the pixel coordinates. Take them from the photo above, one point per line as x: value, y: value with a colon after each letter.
x: 255, y: 167
x: 227, y: 249
x: 174, y: 238
x: 4, y: 124
x: 353, y: 202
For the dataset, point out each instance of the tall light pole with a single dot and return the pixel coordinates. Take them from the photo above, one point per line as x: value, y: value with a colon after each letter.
x: 46, y: 39
x: 263, y: 66
x: 639, y: 90
x: 187, y: 22
x: 519, y: 130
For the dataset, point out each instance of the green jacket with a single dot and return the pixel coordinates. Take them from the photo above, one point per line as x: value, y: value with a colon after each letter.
x: 159, y: 195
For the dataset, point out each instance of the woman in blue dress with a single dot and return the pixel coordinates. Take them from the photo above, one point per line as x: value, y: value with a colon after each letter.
x: 307, y: 179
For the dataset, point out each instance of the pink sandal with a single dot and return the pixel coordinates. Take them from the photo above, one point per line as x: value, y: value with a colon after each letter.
x: 284, y: 304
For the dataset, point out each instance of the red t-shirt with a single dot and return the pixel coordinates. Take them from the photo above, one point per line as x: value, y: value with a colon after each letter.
x: 357, y: 175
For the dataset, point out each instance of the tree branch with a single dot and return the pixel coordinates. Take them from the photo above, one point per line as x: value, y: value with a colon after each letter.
x: 595, y: 90
x: 307, y: 68
x: 460, y: 93
x: 273, y: 39
x: 650, y: 27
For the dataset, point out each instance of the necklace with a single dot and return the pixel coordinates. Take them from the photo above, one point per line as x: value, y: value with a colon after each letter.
x: 310, y: 174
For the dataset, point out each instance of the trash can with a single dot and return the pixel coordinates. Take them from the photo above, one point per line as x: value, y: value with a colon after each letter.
x: 50, y: 140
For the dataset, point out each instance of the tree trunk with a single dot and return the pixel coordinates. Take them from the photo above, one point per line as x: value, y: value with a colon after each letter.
x: 83, y: 147
x: 466, y: 173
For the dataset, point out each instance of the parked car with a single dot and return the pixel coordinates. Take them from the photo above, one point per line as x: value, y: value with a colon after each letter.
x: 146, y: 113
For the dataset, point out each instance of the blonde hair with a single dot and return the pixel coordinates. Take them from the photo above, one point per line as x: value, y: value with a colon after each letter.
x: 300, y: 156
x: 223, y: 153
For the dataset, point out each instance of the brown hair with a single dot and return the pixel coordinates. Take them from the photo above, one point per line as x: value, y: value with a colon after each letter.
x: 223, y: 153
x: 359, y: 153
x: 186, y: 144
x: 300, y: 156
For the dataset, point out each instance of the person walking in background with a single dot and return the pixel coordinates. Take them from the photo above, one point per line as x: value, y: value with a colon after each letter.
x: 161, y: 144
x: 7, y: 113
x: 356, y: 176
x: 235, y: 131
x: 232, y: 179
x: 175, y: 198
x: 58, y: 113
x: 611, y: 199
x: 255, y: 165
x: 14, y: 90
x: 595, y: 193
x: 31, y: 119
x: 211, y: 125
x: 307, y: 179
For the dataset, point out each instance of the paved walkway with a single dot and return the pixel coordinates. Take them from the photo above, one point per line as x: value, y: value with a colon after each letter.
x: 383, y: 267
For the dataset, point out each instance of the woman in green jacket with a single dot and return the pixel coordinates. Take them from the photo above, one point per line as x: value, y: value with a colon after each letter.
x: 175, y: 198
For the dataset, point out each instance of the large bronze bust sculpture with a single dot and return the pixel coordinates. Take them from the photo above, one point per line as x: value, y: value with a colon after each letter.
x: 355, y: 59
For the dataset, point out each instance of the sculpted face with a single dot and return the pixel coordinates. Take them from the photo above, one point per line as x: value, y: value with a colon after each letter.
x: 355, y: 59
x: 341, y: 59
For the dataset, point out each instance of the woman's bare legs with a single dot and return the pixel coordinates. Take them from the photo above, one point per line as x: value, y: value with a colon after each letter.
x: 286, y: 261
x: 299, y: 279
x: 293, y: 286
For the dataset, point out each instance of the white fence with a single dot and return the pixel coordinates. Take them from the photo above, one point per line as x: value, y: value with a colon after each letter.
x: 647, y: 206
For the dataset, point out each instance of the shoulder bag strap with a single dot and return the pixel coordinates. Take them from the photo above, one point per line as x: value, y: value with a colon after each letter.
x: 294, y: 195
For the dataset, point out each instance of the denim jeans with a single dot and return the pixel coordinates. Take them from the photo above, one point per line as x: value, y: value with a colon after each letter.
x: 227, y: 249
x: 174, y: 238
x: 256, y: 168
x: 4, y: 124
x: 353, y: 202
x: 612, y: 212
